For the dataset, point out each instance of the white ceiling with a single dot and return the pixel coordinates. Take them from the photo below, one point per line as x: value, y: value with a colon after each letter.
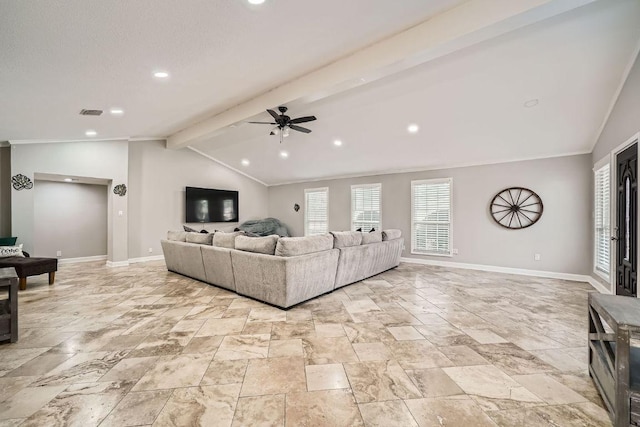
x: 60, y: 57
x: 469, y: 105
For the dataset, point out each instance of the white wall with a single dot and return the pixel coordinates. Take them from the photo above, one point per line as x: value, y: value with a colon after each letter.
x: 157, y: 181
x: 563, y: 184
x: 5, y: 191
x: 71, y: 218
x: 96, y: 159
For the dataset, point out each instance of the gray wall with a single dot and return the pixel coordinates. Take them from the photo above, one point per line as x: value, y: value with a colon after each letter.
x: 624, y: 121
x: 157, y: 179
x: 105, y: 160
x: 5, y: 191
x: 563, y: 183
x: 71, y: 218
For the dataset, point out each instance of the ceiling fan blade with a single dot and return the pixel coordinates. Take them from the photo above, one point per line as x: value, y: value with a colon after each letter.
x: 303, y: 119
x: 300, y: 129
x: 275, y: 115
x: 263, y: 123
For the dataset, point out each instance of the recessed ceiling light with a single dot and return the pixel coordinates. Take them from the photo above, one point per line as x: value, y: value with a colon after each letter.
x: 116, y: 111
x: 531, y: 103
x: 337, y: 143
x: 91, y: 133
x: 284, y: 154
x: 161, y: 74
x: 68, y: 180
x: 245, y: 162
x: 255, y: 1
x: 413, y: 128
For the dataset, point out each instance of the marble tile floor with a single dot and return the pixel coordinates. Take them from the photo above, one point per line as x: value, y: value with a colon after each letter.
x: 414, y: 346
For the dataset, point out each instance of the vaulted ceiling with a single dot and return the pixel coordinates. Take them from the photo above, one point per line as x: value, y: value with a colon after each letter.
x: 227, y: 58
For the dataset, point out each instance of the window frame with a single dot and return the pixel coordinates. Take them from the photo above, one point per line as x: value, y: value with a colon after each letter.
x: 375, y: 185
x: 601, y: 164
x: 448, y: 180
x: 306, y: 222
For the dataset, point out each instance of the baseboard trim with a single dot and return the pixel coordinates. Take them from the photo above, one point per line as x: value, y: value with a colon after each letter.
x: 146, y: 259
x: 508, y: 270
x: 117, y: 263
x: 598, y: 286
x: 82, y: 259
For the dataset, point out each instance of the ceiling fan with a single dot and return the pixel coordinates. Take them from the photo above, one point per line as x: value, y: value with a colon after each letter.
x: 283, y: 123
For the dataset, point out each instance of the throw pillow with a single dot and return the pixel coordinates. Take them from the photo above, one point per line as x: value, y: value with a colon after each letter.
x: 226, y: 240
x: 262, y: 245
x: 391, y: 234
x: 371, y: 237
x: 9, y: 251
x: 372, y: 230
x: 189, y: 229
x: 199, y: 238
x: 359, y: 229
x: 8, y: 241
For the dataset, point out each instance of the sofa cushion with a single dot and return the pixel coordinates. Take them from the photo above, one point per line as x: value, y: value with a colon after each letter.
x: 226, y: 240
x: 344, y: 239
x: 10, y: 251
x: 200, y: 238
x: 177, y: 236
x: 371, y: 237
x: 263, y: 245
x: 293, y: 246
x: 391, y: 234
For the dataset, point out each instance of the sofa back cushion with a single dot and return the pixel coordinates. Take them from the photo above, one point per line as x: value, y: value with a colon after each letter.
x: 226, y: 240
x: 372, y: 237
x: 200, y: 238
x: 293, y: 246
x: 391, y: 234
x: 344, y: 239
x: 262, y: 245
x: 178, y: 236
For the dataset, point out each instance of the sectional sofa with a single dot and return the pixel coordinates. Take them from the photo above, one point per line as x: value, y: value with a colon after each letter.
x: 282, y: 271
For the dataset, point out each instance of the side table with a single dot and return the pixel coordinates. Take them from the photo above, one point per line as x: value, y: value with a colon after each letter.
x: 614, y: 364
x: 9, y: 307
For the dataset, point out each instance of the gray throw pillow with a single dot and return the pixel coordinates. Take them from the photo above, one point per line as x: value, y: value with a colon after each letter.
x: 200, y: 238
x: 293, y: 246
x: 262, y: 245
x: 226, y: 240
x: 344, y: 239
x: 391, y: 234
x: 371, y: 237
x: 178, y: 236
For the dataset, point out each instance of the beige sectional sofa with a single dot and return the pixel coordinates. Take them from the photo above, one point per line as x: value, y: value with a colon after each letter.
x: 282, y: 271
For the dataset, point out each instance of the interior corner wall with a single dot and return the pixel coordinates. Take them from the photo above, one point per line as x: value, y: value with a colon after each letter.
x: 563, y: 183
x: 96, y: 159
x: 5, y: 191
x: 70, y: 218
x: 157, y: 181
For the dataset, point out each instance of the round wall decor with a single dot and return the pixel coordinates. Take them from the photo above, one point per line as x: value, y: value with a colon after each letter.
x: 516, y: 207
x: 21, y: 182
x: 120, y: 190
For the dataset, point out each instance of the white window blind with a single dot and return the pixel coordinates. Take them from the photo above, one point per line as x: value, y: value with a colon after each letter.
x: 316, y: 201
x: 365, y: 207
x: 431, y: 216
x: 602, y: 224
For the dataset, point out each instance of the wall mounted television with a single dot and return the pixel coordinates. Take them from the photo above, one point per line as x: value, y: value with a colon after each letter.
x: 209, y: 205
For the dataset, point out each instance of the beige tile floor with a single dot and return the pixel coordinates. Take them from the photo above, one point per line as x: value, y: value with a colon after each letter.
x: 415, y: 346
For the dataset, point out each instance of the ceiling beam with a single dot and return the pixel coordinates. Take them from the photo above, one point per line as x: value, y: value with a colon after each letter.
x: 468, y: 24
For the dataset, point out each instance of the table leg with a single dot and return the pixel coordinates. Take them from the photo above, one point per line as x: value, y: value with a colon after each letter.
x: 23, y: 283
x: 52, y: 277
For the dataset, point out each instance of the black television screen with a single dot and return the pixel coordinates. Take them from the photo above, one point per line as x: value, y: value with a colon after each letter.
x: 208, y: 205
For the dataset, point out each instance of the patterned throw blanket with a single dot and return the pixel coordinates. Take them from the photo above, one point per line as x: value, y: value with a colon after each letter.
x: 264, y: 227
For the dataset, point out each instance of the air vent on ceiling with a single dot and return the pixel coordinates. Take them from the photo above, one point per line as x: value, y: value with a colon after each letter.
x: 85, y: 112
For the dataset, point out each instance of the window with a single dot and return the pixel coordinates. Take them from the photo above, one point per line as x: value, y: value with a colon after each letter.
x: 601, y: 222
x: 365, y: 207
x: 316, y: 201
x: 431, y: 217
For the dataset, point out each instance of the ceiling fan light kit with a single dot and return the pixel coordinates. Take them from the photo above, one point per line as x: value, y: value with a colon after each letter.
x: 285, y: 123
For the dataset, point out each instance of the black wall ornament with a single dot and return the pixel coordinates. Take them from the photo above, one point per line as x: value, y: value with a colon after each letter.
x: 21, y: 182
x: 120, y: 190
x: 296, y: 207
x: 516, y: 208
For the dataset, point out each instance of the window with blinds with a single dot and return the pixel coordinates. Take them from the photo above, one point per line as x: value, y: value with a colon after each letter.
x: 431, y: 216
x: 601, y: 221
x: 365, y: 207
x: 316, y: 203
